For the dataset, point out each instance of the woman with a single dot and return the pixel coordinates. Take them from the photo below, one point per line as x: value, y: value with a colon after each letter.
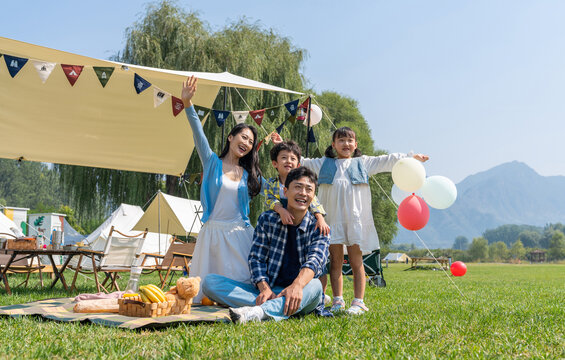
x: 229, y: 182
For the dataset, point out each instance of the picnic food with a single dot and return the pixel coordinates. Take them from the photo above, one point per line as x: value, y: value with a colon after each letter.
x: 153, y: 293
x: 97, y: 306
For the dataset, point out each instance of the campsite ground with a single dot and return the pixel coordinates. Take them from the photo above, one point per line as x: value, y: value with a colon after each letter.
x: 507, y: 311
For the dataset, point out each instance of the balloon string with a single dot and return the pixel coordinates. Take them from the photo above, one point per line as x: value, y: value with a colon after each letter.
x: 422, y: 241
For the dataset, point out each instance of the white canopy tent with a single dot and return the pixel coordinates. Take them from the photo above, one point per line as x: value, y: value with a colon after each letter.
x: 7, y: 226
x: 90, y: 124
x: 123, y: 219
x: 171, y: 215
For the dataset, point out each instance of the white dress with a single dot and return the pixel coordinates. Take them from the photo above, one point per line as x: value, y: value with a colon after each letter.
x: 348, y: 206
x: 224, y: 241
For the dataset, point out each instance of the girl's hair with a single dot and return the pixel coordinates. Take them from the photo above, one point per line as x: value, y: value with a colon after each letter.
x: 249, y: 162
x: 339, y: 133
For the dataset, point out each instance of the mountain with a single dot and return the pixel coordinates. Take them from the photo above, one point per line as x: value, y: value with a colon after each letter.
x: 511, y: 193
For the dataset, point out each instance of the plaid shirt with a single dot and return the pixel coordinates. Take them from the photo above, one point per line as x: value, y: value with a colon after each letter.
x: 267, y: 249
x: 272, y: 193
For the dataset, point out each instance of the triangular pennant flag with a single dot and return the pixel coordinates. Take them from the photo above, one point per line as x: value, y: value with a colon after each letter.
x: 291, y: 107
x: 140, y: 84
x: 202, y: 112
x: 302, y: 110
x: 257, y: 116
x: 44, y: 69
x: 280, y: 127
x: 292, y: 119
x: 178, y: 106
x: 193, y: 178
x: 240, y: 116
x: 72, y: 72
x: 272, y: 113
x: 14, y: 64
x: 259, y: 145
x: 159, y: 96
x: 311, y: 137
x: 268, y: 137
x: 103, y: 73
x: 221, y: 116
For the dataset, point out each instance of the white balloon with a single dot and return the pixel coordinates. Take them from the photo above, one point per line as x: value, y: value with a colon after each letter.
x: 315, y: 115
x: 439, y: 192
x: 408, y: 174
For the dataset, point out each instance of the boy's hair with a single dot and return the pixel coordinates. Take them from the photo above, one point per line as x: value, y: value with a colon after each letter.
x: 288, y: 145
x: 339, y: 133
x: 299, y: 172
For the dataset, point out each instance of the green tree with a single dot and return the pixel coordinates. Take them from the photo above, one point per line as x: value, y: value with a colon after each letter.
x: 498, y: 251
x: 460, y: 243
x: 479, y: 249
x: 557, y: 246
x: 530, y: 238
x: 517, y: 251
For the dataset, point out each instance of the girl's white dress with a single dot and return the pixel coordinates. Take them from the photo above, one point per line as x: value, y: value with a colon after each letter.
x: 348, y: 206
x: 224, y: 241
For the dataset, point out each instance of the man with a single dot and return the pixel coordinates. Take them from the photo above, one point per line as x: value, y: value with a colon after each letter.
x: 285, y: 261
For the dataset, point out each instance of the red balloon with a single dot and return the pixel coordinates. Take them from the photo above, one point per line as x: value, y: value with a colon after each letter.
x: 458, y: 268
x: 413, y: 213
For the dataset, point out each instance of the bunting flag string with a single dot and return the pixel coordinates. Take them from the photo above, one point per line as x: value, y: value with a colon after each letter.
x: 221, y: 116
x: 178, y: 105
x: 104, y: 73
x: 44, y: 69
x: 311, y: 136
x: 140, y: 84
x: 257, y: 116
x: 72, y: 72
x: 240, y: 116
x: 302, y: 110
x: 159, y: 96
x: 14, y: 64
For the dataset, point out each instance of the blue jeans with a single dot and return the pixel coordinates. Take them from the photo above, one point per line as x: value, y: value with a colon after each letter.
x: 237, y: 294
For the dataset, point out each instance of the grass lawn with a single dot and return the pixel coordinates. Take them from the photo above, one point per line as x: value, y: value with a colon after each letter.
x: 509, y: 311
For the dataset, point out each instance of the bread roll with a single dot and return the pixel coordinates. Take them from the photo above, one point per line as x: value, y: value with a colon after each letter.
x: 97, y: 306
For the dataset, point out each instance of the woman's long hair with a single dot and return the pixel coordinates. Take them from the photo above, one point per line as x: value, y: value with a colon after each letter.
x: 339, y: 133
x: 249, y: 162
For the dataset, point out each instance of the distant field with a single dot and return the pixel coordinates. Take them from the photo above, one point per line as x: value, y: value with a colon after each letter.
x: 509, y: 311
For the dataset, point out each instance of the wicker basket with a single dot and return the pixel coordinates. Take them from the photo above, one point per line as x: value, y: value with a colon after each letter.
x: 21, y: 244
x: 133, y: 306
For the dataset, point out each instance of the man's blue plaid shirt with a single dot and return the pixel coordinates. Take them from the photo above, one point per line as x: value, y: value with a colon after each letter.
x: 267, y: 250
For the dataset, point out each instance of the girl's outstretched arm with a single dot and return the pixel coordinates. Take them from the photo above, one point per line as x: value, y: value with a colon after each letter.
x: 200, y: 140
x: 384, y: 163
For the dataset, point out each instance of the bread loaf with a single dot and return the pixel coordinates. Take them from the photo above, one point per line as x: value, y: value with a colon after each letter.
x: 97, y: 306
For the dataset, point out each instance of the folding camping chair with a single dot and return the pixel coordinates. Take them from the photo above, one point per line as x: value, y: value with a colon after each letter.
x: 177, y: 258
x: 21, y: 264
x: 120, y: 252
x: 373, y: 268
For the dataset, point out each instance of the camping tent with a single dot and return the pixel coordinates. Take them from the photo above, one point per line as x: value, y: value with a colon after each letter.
x: 74, y: 117
x: 171, y: 215
x: 7, y: 226
x: 123, y: 219
x: 397, y: 257
x: 71, y: 236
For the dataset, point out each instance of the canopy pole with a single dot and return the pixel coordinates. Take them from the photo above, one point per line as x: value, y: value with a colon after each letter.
x: 308, y: 123
x: 159, y: 216
x: 224, y: 124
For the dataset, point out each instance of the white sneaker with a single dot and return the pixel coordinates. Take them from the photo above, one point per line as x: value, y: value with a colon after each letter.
x: 247, y: 313
x: 327, y: 300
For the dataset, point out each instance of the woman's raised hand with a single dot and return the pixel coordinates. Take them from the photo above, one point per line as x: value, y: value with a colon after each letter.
x: 188, y: 90
x: 421, y: 157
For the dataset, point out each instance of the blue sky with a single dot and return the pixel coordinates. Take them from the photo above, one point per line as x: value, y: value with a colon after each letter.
x: 471, y: 83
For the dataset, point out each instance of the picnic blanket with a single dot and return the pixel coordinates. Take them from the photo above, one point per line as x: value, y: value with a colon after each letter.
x: 62, y: 310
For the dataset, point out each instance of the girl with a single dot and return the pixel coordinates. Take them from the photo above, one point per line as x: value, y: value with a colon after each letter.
x: 343, y: 177
x: 229, y: 182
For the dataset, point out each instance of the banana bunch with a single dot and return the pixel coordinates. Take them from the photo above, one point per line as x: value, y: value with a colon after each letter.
x: 152, y: 294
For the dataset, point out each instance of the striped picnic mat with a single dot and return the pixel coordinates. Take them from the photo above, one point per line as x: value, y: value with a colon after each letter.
x: 62, y: 310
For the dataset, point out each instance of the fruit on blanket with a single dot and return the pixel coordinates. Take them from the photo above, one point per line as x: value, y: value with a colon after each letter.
x: 207, y: 302
x: 153, y: 295
x: 130, y: 295
x: 143, y: 297
x: 157, y: 291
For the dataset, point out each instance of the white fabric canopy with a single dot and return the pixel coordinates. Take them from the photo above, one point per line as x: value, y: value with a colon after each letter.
x: 90, y: 125
x: 8, y: 226
x: 171, y: 215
